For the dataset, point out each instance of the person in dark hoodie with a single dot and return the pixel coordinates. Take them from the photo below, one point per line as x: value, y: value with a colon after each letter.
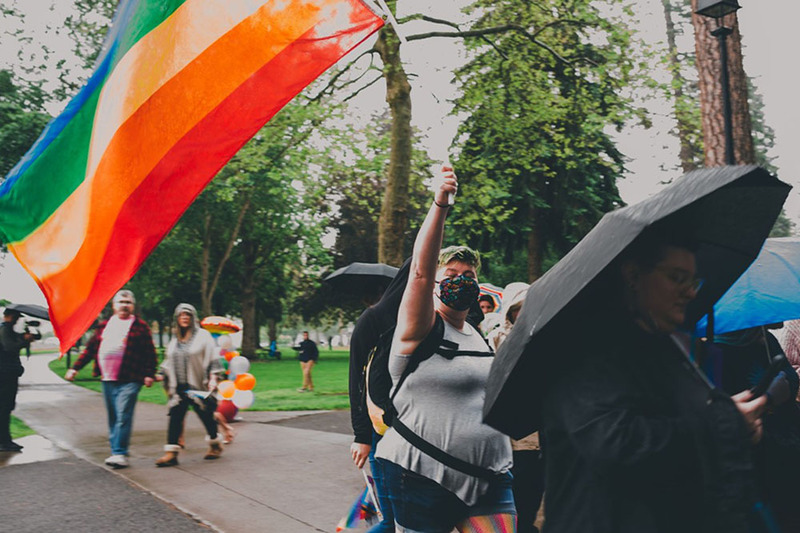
x: 637, y: 439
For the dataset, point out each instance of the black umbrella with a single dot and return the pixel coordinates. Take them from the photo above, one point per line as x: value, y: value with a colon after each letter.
x: 36, y: 311
x: 361, y: 278
x: 728, y: 211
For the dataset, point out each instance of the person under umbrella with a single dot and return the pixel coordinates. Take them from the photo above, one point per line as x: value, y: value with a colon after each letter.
x: 10, y: 370
x: 637, y: 440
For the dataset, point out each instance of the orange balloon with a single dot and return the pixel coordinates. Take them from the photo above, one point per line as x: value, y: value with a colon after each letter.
x: 230, y: 355
x: 245, y: 381
x: 226, y: 389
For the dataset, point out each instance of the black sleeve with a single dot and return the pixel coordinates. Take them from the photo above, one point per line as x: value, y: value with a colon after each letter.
x: 373, y: 321
x: 365, y: 336
x: 10, y: 341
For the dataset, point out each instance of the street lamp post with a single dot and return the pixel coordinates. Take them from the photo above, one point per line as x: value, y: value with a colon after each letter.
x: 717, y: 9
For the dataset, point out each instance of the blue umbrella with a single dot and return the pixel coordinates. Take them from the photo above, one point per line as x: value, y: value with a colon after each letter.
x: 767, y: 292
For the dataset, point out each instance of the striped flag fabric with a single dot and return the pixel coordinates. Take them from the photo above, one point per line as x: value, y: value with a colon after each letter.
x: 180, y: 86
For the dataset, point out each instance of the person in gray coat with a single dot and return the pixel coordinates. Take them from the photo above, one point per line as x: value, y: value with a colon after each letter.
x: 190, y: 372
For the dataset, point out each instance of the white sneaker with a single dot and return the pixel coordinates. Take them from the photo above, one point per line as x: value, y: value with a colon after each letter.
x: 117, y: 461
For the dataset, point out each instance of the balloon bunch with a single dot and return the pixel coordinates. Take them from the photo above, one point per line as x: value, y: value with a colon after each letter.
x: 237, y: 389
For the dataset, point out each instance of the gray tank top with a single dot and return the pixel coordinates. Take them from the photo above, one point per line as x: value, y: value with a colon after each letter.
x: 442, y: 402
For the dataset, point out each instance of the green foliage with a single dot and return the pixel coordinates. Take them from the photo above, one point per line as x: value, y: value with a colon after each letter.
x: 535, y: 153
x: 355, y: 183
x: 20, y: 120
x: 783, y: 227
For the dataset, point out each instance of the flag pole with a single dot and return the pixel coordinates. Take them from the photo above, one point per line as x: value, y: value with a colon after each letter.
x: 371, y: 492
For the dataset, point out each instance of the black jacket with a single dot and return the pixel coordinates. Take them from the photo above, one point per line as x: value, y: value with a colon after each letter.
x: 372, y: 322
x: 638, y: 441
x: 308, y: 351
x: 11, y: 343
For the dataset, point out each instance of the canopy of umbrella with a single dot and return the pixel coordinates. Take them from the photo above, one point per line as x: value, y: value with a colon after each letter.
x: 727, y: 211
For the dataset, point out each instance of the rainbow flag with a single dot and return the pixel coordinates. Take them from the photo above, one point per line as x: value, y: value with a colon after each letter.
x: 180, y: 86
x: 363, y: 511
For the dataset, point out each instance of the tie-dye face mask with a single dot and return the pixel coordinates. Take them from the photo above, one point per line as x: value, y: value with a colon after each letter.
x: 459, y: 293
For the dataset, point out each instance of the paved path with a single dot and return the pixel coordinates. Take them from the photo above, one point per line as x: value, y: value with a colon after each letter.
x: 281, y: 474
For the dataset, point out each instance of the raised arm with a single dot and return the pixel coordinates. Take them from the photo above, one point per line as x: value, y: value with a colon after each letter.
x: 415, y: 317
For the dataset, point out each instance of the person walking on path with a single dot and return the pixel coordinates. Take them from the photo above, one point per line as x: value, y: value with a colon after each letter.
x: 441, y: 401
x: 636, y: 439
x: 190, y: 367
x: 123, y: 354
x: 11, y: 369
x: 308, y: 355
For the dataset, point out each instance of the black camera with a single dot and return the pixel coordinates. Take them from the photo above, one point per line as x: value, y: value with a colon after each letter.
x: 31, y: 327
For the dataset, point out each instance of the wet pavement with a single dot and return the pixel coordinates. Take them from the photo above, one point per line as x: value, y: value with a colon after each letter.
x: 287, y: 472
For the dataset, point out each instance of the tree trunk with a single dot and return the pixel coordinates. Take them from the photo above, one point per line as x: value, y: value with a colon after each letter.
x: 249, y: 325
x: 205, y: 267
x: 272, y: 330
x: 394, y: 211
x: 160, y: 333
x: 208, y: 284
x: 688, y: 155
x: 711, y: 103
x: 535, y: 251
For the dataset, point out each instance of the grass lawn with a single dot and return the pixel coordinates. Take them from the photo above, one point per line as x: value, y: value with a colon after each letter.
x: 276, y: 382
x: 19, y: 429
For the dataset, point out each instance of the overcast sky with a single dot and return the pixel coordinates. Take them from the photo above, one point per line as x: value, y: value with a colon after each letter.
x: 769, y: 49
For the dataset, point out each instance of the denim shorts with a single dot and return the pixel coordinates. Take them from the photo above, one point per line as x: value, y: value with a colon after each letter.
x: 421, y: 505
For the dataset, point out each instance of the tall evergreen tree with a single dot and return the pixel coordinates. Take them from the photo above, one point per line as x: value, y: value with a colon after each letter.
x: 537, y: 163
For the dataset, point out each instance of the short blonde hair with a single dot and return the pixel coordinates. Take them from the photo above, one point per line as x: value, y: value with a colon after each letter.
x: 462, y: 254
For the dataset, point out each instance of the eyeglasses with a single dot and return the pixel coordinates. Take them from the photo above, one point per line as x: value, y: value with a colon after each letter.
x: 681, y: 278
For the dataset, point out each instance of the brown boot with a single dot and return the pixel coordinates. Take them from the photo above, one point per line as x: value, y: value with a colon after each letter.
x: 170, y: 458
x: 214, y: 450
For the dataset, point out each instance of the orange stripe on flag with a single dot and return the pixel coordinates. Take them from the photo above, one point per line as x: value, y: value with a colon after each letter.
x: 163, y: 53
x: 85, y: 221
x: 179, y: 170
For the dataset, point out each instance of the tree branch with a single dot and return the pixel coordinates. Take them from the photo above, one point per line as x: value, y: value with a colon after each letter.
x: 492, y: 31
x: 331, y: 85
x: 370, y: 84
x: 433, y: 20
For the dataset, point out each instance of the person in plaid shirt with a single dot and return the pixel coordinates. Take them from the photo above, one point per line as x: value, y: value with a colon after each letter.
x: 124, y: 356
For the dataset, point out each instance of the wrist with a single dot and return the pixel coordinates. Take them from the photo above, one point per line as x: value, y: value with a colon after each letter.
x: 443, y: 206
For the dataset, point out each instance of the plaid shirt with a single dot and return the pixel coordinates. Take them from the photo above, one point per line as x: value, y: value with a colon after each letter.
x: 138, y: 361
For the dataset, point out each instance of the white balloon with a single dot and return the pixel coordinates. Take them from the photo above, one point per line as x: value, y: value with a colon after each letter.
x: 225, y: 342
x: 239, y: 365
x: 243, y: 398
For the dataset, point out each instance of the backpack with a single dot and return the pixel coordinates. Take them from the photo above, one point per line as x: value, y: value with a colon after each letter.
x: 377, y: 387
x: 378, y: 382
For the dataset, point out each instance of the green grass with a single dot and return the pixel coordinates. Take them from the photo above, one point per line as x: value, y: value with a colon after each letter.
x: 19, y: 429
x: 276, y: 382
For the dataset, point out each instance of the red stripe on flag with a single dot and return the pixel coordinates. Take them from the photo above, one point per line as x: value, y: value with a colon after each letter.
x: 243, y: 112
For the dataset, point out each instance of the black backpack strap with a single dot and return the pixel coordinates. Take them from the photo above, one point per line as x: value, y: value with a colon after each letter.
x: 426, y: 348
x: 442, y: 456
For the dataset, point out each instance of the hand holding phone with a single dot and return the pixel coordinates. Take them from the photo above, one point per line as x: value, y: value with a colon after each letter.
x: 763, y: 384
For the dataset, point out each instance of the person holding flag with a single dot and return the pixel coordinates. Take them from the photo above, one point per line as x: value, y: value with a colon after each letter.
x: 468, y: 485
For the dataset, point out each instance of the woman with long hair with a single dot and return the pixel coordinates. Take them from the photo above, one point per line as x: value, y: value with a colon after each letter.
x: 190, y: 372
